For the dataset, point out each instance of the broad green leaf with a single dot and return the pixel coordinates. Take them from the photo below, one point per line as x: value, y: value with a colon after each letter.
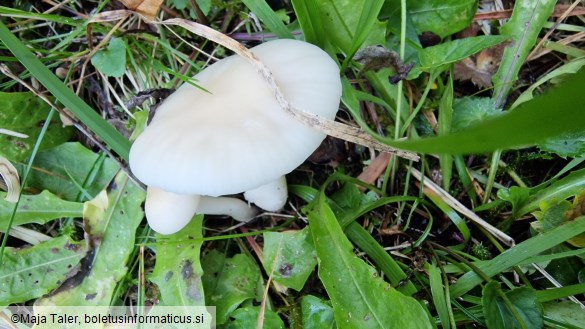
x: 316, y: 313
x: 177, y: 271
x: 560, y: 108
x: 528, y: 18
x: 554, y: 213
x: 359, y: 297
x: 518, y: 308
x: 228, y: 282
x: 517, y: 196
x: 518, y: 254
x: 570, y: 144
x: 293, y: 256
x: 470, y: 110
x: 39, y: 208
x: 112, y: 60
x: 528, y: 200
x: 26, y: 113
x: 349, y: 22
x: 72, y: 172
x: 438, y: 57
x: 443, y: 18
x: 110, y: 222
x: 57, y: 88
x: 355, y: 232
x: 32, y: 272
x: 565, y: 312
x: 261, y: 9
x: 247, y: 317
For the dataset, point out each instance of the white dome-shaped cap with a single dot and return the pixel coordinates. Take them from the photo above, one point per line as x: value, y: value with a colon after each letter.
x: 235, y: 137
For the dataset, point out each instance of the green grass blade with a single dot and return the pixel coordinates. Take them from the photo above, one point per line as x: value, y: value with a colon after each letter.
x: 82, y: 111
x: 368, y: 18
x: 445, y: 119
x: 557, y: 111
x: 518, y: 254
x: 261, y: 9
x: 310, y: 21
x: 439, y: 299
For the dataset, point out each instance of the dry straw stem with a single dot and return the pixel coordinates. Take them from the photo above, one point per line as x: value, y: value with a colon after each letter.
x: 332, y: 128
x: 460, y: 208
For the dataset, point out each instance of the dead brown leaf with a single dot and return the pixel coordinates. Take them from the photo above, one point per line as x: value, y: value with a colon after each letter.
x: 480, y: 67
x: 146, y: 8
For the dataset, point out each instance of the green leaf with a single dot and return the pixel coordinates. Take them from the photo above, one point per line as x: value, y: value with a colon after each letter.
x: 32, y: 272
x: 438, y: 57
x: 528, y: 18
x: 470, y: 110
x: 26, y: 113
x: 112, y: 60
x: 261, y: 9
x: 565, y: 312
x: 177, y: 271
x: 293, y: 256
x: 246, y: 318
x: 570, y: 144
x: 562, y: 189
x: 359, y: 297
x: 518, y: 254
x: 518, y: 308
x: 72, y: 172
x: 110, y: 222
x: 228, y: 282
x: 39, y: 208
x: 349, y: 23
x: 316, y: 313
x: 82, y: 111
x: 517, y: 196
x: 560, y: 108
x: 443, y: 18
x: 205, y: 6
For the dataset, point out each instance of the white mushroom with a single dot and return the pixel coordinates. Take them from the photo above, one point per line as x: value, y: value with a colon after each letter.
x: 231, y: 136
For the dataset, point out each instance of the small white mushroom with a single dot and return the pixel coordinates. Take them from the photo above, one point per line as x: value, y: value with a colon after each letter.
x: 231, y: 136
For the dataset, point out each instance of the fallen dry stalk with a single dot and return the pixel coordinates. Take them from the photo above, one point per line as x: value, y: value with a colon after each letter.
x: 332, y: 128
x: 460, y: 208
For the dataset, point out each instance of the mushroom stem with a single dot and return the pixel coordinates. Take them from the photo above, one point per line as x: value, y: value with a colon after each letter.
x: 168, y: 212
x: 236, y: 208
x: 271, y: 196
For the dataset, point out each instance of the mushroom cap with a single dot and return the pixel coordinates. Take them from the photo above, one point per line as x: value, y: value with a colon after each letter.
x: 233, y: 136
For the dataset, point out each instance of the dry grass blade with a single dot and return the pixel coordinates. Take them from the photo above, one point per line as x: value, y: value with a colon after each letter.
x: 460, y: 208
x: 28, y: 235
x: 332, y: 128
x: 11, y: 180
